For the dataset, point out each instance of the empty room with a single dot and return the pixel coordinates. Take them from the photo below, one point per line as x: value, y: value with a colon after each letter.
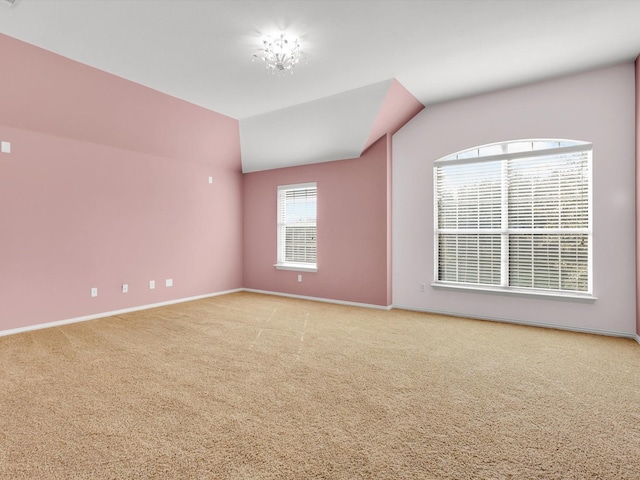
x: 321, y: 239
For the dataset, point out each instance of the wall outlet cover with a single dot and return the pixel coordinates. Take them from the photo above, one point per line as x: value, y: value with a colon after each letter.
x: 152, y: 284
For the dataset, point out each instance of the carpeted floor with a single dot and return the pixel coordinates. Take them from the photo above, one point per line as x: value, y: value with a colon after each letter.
x: 246, y: 386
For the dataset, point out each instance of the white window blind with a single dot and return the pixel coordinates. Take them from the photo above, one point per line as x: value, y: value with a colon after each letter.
x: 297, y: 244
x: 515, y: 215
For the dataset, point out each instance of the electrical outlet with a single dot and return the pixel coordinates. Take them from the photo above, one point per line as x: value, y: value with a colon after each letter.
x: 94, y: 292
x: 152, y: 284
x: 300, y: 278
x: 168, y: 282
x: 210, y: 180
x: 125, y: 288
x: 422, y: 287
x: 5, y: 147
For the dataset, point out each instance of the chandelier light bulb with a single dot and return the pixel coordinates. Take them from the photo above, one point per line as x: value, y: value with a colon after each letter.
x: 280, y: 54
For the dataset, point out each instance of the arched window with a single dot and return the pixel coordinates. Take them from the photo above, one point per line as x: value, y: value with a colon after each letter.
x: 515, y: 216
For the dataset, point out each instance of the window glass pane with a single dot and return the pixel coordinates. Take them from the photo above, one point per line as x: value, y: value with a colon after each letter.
x: 469, y: 195
x: 545, y: 144
x: 471, y: 259
x: 574, y: 251
x: 473, y: 153
x: 300, y: 244
x: 569, y: 143
x: 488, y: 150
x: 549, y: 192
x: 300, y: 207
x: 515, y: 147
x: 556, y: 262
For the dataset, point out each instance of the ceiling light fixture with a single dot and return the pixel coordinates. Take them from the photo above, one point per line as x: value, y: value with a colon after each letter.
x: 280, y: 54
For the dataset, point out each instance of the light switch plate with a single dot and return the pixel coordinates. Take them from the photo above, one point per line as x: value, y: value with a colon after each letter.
x: 5, y: 147
x: 168, y: 282
x: 152, y: 284
x: 94, y: 292
x: 125, y: 288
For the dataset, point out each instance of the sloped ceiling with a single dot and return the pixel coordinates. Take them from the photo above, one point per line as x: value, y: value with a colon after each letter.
x: 333, y: 128
x: 398, y: 108
x: 201, y: 51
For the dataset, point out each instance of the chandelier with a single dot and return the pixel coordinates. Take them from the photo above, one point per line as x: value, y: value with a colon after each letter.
x: 280, y: 54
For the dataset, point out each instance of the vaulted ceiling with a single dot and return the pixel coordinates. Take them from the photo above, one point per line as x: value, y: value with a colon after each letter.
x: 201, y: 51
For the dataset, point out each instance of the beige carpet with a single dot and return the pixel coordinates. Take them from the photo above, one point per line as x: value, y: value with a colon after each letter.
x: 246, y: 386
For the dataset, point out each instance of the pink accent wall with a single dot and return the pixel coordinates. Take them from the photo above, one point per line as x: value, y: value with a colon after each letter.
x: 637, y: 65
x: 47, y: 93
x: 595, y: 106
x: 107, y: 183
x: 353, y: 215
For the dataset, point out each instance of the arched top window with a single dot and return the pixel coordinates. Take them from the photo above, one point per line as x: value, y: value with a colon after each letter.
x: 515, y: 148
x: 515, y: 216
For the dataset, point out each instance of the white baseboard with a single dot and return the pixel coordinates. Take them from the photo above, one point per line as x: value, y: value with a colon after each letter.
x: 314, y: 299
x: 594, y: 331
x: 111, y: 313
x: 318, y: 299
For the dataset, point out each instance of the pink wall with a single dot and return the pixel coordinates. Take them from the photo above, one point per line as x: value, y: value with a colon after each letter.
x: 596, y: 106
x: 637, y: 65
x: 353, y: 214
x: 107, y: 183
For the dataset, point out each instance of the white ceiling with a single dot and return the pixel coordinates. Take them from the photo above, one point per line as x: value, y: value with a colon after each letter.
x: 201, y: 50
x: 331, y: 128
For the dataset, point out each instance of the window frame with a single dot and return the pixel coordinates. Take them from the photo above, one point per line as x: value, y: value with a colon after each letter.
x: 281, y: 263
x: 466, y: 157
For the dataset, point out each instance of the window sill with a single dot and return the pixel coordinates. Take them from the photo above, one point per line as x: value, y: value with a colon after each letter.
x: 520, y: 292
x: 297, y: 267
